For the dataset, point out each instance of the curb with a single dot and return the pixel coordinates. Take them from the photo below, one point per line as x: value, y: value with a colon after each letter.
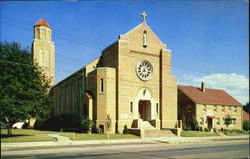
x: 70, y: 143
x: 179, y: 140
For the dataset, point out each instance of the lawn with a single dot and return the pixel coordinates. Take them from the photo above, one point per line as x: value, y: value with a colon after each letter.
x: 197, y: 134
x: 31, y: 135
x: 26, y: 135
x: 236, y: 133
x: 84, y: 136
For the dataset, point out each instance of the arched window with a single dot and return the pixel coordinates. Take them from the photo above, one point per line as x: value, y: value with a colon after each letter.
x: 157, y: 107
x: 101, y: 86
x: 145, y: 39
x: 131, y: 107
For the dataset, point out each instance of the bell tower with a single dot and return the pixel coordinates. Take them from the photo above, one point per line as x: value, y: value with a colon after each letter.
x: 43, y: 49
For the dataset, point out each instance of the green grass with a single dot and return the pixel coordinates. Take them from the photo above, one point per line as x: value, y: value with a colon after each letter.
x: 236, y: 134
x: 197, y: 134
x: 28, y: 138
x: 84, y: 136
x: 31, y: 135
x: 28, y: 131
x: 26, y: 135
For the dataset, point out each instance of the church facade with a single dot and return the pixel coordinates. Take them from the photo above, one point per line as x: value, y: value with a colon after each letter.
x: 131, y: 82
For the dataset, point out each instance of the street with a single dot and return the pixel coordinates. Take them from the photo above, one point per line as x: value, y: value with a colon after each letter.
x: 218, y: 149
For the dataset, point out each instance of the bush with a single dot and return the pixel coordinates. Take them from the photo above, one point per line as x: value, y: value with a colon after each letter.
x: 215, y: 129
x: 86, y: 125
x: 56, y: 123
x: 194, y: 123
x: 125, y: 130
x: 246, y: 125
x: 184, y: 125
x: 206, y: 129
x: 200, y: 128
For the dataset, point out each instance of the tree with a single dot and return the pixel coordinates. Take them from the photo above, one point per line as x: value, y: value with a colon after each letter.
x: 246, y: 108
x: 24, y: 88
x: 108, y: 125
x: 246, y: 125
x: 228, y: 120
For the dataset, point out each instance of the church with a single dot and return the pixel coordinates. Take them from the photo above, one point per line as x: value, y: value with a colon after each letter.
x: 131, y: 82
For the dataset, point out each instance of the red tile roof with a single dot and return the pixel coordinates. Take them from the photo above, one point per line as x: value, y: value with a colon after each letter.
x: 245, y: 115
x: 210, y: 96
x: 43, y: 23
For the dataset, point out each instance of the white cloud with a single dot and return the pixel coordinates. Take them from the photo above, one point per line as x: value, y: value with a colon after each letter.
x: 234, y: 84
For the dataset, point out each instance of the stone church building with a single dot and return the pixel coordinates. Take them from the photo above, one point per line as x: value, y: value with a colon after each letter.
x: 131, y: 82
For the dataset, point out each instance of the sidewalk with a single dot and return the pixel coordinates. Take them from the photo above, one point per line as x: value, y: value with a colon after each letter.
x: 167, y: 140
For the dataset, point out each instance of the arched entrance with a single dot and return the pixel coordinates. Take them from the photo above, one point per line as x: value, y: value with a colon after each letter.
x: 144, y: 112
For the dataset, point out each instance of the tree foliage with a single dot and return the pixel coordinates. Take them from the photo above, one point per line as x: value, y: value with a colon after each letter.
x: 24, y: 89
x: 246, y: 107
x: 246, y: 125
x: 228, y: 120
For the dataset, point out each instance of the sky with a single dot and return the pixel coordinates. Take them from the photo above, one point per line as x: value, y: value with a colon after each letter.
x: 208, y: 39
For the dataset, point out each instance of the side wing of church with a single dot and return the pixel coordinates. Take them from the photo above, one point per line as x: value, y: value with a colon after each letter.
x: 131, y: 82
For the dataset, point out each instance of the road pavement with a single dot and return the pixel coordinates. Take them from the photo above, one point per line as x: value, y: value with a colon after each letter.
x: 148, y: 150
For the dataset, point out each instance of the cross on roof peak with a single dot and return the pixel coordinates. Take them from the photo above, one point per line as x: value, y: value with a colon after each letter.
x: 144, y: 15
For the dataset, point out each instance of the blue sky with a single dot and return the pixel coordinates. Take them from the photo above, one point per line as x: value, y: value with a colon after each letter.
x: 209, y: 39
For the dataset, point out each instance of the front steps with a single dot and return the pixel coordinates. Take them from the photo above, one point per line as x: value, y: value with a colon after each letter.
x: 158, y: 133
x: 145, y: 129
x: 145, y: 125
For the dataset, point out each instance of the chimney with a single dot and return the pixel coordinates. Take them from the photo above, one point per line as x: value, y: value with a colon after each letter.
x: 203, y: 87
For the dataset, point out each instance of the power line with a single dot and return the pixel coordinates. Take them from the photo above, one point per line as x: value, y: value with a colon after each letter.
x: 77, y: 42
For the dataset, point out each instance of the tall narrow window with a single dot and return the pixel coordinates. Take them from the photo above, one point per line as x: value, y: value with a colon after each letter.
x: 131, y: 107
x: 144, y: 39
x: 102, y: 86
x: 157, y: 108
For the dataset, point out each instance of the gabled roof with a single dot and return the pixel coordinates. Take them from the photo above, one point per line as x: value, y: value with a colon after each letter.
x: 210, y: 96
x: 43, y: 23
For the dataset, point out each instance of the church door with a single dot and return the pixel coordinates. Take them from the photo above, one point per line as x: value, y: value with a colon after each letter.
x: 144, y: 110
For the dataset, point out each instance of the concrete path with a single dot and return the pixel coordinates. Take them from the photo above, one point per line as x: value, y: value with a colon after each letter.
x: 59, y: 137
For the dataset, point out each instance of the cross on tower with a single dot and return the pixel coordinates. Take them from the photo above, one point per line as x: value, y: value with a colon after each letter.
x: 144, y: 15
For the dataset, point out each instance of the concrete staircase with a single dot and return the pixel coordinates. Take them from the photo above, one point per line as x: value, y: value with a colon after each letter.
x: 145, y: 125
x: 145, y: 129
x: 158, y: 133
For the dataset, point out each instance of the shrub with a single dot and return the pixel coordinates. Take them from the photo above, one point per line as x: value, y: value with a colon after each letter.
x: 246, y: 125
x: 194, y: 123
x: 68, y: 122
x: 184, y: 125
x: 200, y: 128
x: 215, y: 130
x: 228, y: 120
x: 206, y: 129
x: 86, y: 125
x: 125, y: 130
